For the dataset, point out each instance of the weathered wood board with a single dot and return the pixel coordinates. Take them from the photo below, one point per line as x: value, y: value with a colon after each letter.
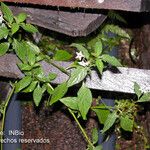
x: 121, y: 81
x: 126, y: 5
x: 70, y: 23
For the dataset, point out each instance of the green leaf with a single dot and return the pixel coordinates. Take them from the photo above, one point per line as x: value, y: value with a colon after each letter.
x: 38, y: 72
x: 49, y: 88
x: 31, y: 57
x: 52, y: 76
x: 71, y: 102
x: 23, y: 83
x: 99, y: 65
x: 31, y: 87
x: 92, y: 41
x: 111, y: 60
x: 33, y: 47
x: 145, y: 98
x: 24, y: 67
x: 82, y: 49
x: 99, y: 147
x: 85, y: 100
x: 20, y: 50
x: 110, y: 121
x: 21, y: 17
x: 98, y: 48
x: 115, y: 16
x: 116, y: 30
x: 59, y: 92
x: 29, y: 28
x: 8, y: 15
x: 137, y: 90
x: 3, y: 32
x: 4, y: 48
x: 94, y: 135
x: 41, y: 77
x: 77, y: 75
x: 14, y: 28
x: 62, y: 55
x: 126, y: 123
x: 102, y: 113
x: 36, y: 65
x: 40, y: 57
x: 37, y: 94
x: 90, y: 147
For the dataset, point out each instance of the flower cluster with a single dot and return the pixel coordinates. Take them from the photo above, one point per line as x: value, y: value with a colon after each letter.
x: 100, y: 1
x: 82, y: 60
x: 1, y: 18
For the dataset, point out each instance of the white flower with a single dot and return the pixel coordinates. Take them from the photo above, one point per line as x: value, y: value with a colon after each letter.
x: 79, y: 55
x: 1, y: 18
x: 83, y: 63
x: 100, y: 1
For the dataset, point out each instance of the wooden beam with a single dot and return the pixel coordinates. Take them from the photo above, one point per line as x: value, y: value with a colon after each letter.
x: 70, y: 23
x: 121, y: 81
x: 126, y: 5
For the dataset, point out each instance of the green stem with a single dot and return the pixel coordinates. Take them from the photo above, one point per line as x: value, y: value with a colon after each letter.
x: 4, y: 112
x: 71, y: 112
x: 58, y: 67
x: 81, y: 128
x: 110, y: 108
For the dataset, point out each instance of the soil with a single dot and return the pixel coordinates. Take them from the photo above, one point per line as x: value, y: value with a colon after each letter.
x: 55, y: 125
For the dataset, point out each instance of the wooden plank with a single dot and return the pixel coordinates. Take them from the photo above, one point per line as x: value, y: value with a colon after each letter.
x: 121, y: 81
x: 70, y: 23
x: 126, y: 5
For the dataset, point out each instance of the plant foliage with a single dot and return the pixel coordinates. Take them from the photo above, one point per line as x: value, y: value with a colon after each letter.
x: 92, y: 54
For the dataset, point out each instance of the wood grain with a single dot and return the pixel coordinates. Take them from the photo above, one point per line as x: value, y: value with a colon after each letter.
x: 126, y: 5
x: 121, y: 81
x: 70, y: 23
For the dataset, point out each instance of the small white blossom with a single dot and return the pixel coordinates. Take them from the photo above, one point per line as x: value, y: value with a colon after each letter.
x: 100, y: 1
x: 83, y: 63
x: 1, y: 18
x: 79, y: 55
